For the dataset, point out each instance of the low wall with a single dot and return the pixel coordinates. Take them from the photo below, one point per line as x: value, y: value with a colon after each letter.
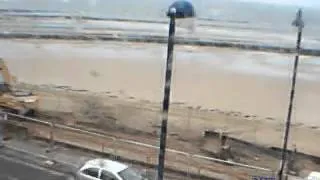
x: 156, y: 39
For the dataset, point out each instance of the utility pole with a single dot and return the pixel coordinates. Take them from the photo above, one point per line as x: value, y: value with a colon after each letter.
x: 3, y: 118
x: 178, y: 10
x: 166, y: 98
x: 298, y: 22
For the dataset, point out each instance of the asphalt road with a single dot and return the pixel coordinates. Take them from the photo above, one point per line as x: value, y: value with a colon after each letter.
x: 14, y: 169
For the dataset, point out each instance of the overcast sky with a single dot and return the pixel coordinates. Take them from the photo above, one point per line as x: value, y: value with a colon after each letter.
x: 288, y: 2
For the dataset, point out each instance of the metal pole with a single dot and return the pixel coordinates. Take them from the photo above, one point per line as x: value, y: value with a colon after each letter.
x: 166, y: 98
x: 298, y: 22
x: 3, y: 118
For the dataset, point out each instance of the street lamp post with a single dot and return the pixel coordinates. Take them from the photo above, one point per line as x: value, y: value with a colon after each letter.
x: 178, y: 10
x: 298, y: 22
x: 3, y: 118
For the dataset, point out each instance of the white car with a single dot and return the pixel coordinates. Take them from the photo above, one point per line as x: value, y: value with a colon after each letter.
x: 314, y: 176
x: 104, y: 169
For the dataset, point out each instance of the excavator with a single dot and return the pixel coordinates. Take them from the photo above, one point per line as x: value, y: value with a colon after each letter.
x: 12, y: 100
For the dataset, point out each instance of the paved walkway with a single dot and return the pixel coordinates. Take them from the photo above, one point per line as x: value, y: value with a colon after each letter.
x: 62, y: 155
x: 16, y: 167
x: 67, y: 160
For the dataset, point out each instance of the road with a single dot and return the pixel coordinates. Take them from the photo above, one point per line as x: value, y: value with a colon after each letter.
x: 14, y: 169
x: 68, y: 159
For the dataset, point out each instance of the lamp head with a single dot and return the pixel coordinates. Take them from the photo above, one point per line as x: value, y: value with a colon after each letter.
x: 181, y: 9
x: 298, y: 22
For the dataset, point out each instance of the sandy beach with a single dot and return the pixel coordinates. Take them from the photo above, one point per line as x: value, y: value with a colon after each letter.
x: 115, y: 86
x: 244, y: 93
x: 231, y: 80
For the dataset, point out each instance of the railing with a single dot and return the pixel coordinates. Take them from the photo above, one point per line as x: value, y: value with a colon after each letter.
x: 113, y: 147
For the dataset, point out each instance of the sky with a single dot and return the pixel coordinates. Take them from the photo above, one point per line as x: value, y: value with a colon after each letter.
x: 308, y: 3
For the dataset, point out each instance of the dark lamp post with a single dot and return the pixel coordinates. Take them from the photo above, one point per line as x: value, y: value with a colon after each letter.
x: 298, y: 22
x: 178, y: 10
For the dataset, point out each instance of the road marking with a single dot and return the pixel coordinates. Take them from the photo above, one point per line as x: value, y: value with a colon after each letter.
x: 32, y: 165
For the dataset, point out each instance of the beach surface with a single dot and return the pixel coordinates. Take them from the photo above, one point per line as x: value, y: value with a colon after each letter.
x: 256, y: 84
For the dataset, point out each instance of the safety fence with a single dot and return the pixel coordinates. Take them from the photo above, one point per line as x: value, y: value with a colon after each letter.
x: 186, y: 163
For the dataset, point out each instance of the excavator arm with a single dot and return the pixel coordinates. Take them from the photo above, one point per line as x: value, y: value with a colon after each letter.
x: 5, y: 78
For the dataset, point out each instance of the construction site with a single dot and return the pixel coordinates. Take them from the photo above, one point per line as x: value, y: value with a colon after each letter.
x: 69, y: 94
x: 207, y: 142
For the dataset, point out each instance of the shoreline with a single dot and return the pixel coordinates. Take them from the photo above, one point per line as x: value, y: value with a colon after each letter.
x: 126, y: 37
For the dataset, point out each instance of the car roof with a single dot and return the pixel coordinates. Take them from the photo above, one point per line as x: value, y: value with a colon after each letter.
x: 106, y: 164
x: 314, y: 174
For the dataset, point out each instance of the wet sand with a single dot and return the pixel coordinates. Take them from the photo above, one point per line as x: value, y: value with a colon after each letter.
x: 231, y: 80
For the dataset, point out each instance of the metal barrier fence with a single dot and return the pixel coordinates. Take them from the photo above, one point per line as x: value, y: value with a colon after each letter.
x: 139, y: 150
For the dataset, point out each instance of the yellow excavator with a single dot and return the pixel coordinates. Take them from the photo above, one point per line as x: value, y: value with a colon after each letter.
x: 13, y: 100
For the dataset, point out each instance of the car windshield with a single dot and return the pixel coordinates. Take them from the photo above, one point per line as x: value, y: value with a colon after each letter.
x: 130, y: 174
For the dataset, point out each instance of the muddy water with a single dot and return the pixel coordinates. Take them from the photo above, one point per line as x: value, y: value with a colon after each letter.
x: 251, y: 82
